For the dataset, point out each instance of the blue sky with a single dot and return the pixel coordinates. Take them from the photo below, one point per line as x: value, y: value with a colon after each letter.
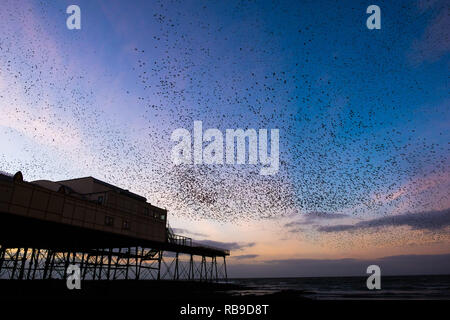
x: 363, y: 114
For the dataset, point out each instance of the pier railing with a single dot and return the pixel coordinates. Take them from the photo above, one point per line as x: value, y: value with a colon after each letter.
x: 186, y: 241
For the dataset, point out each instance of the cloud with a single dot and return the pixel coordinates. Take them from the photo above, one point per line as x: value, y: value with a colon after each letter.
x: 434, y: 42
x: 226, y: 245
x: 246, y: 256
x: 426, y: 4
x: 313, y: 217
x: 392, y: 265
x: 430, y: 220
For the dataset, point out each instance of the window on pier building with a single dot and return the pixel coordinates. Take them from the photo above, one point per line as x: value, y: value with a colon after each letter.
x: 109, y: 221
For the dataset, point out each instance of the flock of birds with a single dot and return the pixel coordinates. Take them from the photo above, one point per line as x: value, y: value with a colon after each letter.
x: 336, y: 154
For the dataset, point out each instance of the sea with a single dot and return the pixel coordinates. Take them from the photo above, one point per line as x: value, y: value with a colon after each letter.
x: 425, y: 287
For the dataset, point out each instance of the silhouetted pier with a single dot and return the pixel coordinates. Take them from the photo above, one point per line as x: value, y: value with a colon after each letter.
x: 109, y: 232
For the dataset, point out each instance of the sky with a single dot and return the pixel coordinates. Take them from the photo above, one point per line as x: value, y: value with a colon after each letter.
x: 363, y: 117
